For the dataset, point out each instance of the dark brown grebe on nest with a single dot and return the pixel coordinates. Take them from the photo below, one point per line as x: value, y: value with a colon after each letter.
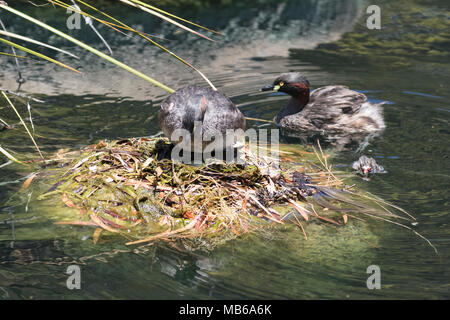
x: 335, y: 112
x: 190, y: 106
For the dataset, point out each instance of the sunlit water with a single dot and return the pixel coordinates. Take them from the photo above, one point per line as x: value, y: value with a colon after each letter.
x: 110, y: 104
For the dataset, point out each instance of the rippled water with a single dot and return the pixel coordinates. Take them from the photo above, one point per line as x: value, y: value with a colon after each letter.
x: 261, y: 42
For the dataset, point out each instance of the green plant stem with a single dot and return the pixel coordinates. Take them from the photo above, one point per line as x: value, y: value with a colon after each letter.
x: 24, y: 124
x: 89, y: 48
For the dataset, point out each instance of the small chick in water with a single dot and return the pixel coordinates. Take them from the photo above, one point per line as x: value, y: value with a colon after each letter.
x: 367, y: 167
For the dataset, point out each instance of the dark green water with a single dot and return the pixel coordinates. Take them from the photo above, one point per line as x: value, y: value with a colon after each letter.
x: 262, y: 41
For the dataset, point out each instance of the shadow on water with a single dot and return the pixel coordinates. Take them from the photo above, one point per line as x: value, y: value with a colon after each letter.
x: 332, y: 263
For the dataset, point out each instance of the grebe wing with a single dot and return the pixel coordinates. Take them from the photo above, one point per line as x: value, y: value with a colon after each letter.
x: 336, y: 100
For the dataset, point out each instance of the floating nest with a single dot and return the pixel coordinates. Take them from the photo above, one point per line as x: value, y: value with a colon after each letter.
x: 127, y: 188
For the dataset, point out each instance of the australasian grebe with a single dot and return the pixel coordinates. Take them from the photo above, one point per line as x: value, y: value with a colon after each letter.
x: 367, y: 166
x: 191, y: 104
x: 330, y: 110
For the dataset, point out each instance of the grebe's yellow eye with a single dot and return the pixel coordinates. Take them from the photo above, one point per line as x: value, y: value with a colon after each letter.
x: 281, y: 83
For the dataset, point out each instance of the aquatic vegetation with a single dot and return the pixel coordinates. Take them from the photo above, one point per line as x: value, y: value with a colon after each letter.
x: 123, y: 188
x: 409, y: 29
x: 4, y: 6
x: 126, y: 188
x: 149, y: 9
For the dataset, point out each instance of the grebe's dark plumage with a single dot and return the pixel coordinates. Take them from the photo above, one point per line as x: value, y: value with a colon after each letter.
x: 330, y: 110
x: 184, y: 107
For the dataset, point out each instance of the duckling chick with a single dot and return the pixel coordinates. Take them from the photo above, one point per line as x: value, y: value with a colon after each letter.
x: 366, y: 167
x: 185, y: 108
x: 330, y: 110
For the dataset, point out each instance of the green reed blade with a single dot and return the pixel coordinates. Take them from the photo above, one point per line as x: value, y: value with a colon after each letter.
x: 89, y: 48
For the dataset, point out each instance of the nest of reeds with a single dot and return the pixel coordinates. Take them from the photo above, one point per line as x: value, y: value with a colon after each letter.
x: 125, y: 187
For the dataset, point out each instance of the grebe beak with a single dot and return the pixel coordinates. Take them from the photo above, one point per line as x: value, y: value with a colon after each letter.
x: 267, y: 88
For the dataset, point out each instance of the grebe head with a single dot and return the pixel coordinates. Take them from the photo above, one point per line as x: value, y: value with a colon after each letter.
x: 366, y: 170
x: 292, y: 83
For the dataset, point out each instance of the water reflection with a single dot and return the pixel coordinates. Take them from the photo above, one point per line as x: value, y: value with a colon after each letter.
x: 331, y: 264
x: 269, y: 29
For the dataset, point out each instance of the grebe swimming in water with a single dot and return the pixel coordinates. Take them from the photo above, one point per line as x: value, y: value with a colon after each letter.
x: 367, y: 167
x: 332, y: 111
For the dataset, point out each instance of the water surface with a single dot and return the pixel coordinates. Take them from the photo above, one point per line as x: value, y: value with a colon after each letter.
x: 262, y: 41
